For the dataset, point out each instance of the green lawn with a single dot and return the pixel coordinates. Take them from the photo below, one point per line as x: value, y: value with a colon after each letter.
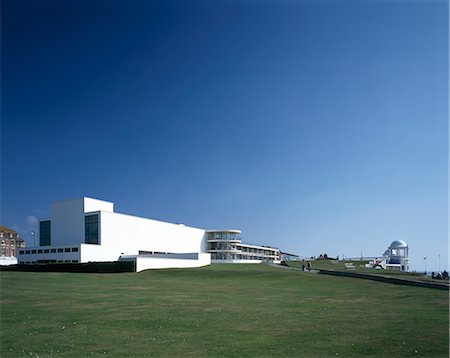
x: 359, y: 266
x: 220, y: 310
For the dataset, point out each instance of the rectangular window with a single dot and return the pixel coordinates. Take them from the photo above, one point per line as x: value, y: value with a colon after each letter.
x: 74, y: 261
x: 46, y: 251
x: 91, y: 229
x: 39, y: 251
x: 33, y: 251
x: 67, y: 249
x: 44, y: 233
x: 52, y: 250
x: 60, y: 250
x: 74, y: 249
x: 22, y: 252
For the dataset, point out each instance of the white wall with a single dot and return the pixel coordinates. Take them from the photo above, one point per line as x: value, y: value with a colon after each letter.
x: 121, y: 234
x: 146, y: 263
x: 67, y: 222
x: 67, y: 219
x: 7, y: 260
x: 91, y: 204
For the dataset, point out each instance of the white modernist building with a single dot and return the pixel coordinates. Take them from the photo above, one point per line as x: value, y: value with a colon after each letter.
x: 88, y: 230
x: 227, y: 246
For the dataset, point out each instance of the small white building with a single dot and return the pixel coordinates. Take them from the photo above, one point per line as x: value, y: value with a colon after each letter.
x: 396, y: 257
x: 88, y: 230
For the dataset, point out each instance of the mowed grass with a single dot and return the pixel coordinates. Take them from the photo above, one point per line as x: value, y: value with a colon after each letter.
x: 220, y: 310
x: 359, y: 266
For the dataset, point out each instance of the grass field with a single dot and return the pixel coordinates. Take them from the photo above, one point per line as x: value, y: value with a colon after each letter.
x: 220, y: 310
x: 359, y: 266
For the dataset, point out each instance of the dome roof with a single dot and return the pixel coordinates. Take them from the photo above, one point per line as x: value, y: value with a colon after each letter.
x: 398, y: 244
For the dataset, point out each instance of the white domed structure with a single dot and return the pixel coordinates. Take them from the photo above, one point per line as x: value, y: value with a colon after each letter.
x: 398, y: 244
x: 396, y: 257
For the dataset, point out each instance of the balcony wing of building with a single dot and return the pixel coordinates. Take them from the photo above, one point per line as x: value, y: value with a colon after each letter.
x: 225, y: 240
x: 257, y: 247
x: 224, y: 231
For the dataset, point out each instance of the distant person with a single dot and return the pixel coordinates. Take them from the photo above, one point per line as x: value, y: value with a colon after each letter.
x: 445, y: 275
x: 433, y: 275
x: 303, y: 265
x: 309, y: 266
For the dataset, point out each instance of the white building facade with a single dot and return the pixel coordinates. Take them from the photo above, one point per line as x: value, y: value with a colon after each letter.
x: 225, y: 246
x: 88, y: 230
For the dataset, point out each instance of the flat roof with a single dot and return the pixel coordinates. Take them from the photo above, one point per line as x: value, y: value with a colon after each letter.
x: 228, y: 231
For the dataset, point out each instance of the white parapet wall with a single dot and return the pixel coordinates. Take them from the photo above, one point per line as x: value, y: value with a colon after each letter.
x: 7, y: 260
x: 147, y: 262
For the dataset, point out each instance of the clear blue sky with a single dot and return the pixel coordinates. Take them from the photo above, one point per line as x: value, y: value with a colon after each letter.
x: 313, y: 126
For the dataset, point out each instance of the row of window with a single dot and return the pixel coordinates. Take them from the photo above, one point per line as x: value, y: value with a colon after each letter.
x: 223, y: 236
x: 8, y: 234
x: 48, y: 251
x: 230, y: 256
x: 228, y: 246
x: 5, y: 252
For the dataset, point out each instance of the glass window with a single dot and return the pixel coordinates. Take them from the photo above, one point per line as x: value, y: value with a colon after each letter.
x: 52, y: 250
x: 74, y: 249
x: 33, y: 251
x: 60, y: 250
x: 44, y: 233
x: 22, y: 252
x: 91, y: 229
x: 39, y: 251
x: 67, y: 249
x: 46, y: 251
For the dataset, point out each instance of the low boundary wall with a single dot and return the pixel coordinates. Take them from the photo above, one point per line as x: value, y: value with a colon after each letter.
x: 91, y: 267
